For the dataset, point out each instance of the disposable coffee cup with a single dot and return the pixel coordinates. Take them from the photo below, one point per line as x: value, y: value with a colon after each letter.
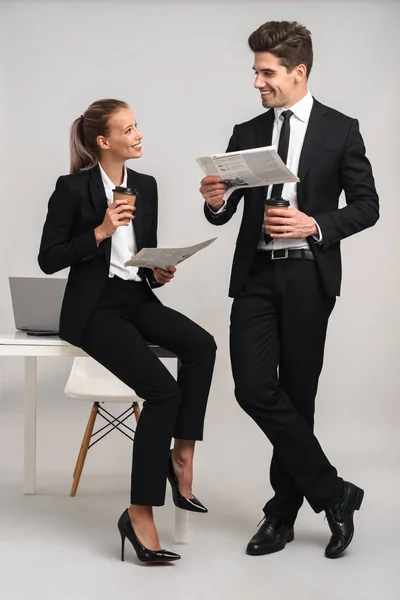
x: 125, y: 193
x: 275, y: 202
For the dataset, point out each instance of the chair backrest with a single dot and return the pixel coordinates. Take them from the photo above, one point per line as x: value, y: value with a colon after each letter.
x: 90, y: 380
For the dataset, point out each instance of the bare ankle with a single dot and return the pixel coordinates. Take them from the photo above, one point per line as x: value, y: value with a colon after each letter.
x: 140, y: 512
x: 182, y: 458
x: 178, y: 459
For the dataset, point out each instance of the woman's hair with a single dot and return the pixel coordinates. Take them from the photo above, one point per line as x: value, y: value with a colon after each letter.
x: 287, y: 40
x: 84, y: 150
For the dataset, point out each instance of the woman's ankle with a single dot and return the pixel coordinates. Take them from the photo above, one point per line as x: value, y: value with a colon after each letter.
x: 183, y: 452
x: 140, y: 512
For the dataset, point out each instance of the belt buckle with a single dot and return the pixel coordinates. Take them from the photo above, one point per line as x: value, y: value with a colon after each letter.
x: 285, y: 254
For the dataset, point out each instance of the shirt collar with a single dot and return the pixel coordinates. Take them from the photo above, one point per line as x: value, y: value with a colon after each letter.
x: 301, y: 110
x: 108, y: 184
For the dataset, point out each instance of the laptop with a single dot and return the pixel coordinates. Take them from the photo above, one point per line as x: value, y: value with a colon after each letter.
x: 37, y: 303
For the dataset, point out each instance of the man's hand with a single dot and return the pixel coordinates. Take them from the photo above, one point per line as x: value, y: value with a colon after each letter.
x: 213, y: 191
x: 289, y: 223
x: 162, y: 275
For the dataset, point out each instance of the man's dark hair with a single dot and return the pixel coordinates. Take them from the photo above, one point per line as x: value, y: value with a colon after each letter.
x: 287, y: 40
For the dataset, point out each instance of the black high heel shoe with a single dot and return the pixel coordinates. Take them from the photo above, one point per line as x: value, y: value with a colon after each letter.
x: 144, y: 554
x: 180, y: 501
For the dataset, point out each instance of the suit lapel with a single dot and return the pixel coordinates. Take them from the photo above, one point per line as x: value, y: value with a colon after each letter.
x: 137, y: 223
x: 264, y: 133
x: 264, y: 138
x: 99, y: 200
x: 97, y: 192
x: 314, y: 135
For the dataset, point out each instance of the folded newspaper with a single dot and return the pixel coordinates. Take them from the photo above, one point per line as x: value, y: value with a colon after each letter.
x: 164, y: 257
x: 247, y: 168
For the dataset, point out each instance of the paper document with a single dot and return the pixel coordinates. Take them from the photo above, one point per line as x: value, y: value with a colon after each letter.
x: 247, y: 168
x: 164, y: 257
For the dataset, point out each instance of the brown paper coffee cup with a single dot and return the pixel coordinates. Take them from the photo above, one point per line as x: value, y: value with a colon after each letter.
x: 125, y: 193
x: 275, y: 203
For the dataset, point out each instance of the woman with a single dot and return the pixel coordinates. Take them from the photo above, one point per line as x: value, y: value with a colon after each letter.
x: 110, y: 311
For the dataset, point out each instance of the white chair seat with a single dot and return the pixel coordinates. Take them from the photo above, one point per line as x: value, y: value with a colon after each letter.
x: 89, y: 380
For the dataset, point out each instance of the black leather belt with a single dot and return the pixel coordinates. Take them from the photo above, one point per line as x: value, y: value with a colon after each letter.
x: 287, y: 253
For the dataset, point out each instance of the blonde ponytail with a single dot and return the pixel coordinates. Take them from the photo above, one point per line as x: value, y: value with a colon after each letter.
x: 81, y: 157
x: 84, y: 150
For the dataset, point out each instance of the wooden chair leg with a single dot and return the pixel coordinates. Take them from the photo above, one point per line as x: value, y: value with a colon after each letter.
x: 136, y: 410
x: 84, y: 448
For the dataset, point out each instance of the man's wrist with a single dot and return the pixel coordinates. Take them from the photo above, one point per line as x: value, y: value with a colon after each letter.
x: 215, y: 208
x: 318, y: 233
x: 314, y: 229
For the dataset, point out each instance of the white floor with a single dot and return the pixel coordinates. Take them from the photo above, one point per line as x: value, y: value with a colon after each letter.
x: 53, y: 547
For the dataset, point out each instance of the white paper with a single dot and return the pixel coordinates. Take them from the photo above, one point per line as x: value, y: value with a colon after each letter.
x: 247, y: 168
x: 164, y: 257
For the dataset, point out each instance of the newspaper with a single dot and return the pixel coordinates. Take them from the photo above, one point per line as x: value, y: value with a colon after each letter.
x: 247, y: 168
x: 164, y: 257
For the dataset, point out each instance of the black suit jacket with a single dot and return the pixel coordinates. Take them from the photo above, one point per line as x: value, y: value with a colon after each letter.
x: 332, y: 159
x: 76, y: 207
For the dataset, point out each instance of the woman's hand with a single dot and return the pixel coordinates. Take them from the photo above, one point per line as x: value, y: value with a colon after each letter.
x: 118, y: 213
x: 162, y: 275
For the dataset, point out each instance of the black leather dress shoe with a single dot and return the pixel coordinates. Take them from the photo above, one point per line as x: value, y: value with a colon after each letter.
x: 272, y: 536
x: 340, y: 519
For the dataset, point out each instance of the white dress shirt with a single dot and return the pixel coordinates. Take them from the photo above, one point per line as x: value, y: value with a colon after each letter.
x: 123, y: 241
x: 298, y: 127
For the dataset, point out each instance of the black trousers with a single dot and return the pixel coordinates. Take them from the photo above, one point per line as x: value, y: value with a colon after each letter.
x: 127, y: 316
x: 277, y: 338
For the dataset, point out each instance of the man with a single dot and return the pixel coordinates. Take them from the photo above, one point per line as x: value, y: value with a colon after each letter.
x: 286, y: 275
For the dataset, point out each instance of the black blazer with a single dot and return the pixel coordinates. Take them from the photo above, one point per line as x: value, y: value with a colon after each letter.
x: 332, y: 159
x: 76, y: 207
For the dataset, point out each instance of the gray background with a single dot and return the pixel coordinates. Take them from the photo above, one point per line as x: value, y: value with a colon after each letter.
x: 186, y: 71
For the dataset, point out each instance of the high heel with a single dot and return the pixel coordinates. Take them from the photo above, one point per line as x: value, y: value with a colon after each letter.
x: 192, y: 504
x: 144, y: 554
x: 122, y: 545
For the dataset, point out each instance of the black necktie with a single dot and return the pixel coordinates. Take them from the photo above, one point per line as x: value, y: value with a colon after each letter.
x: 283, y: 148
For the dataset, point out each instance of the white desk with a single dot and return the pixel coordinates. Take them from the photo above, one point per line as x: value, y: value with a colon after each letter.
x: 30, y: 348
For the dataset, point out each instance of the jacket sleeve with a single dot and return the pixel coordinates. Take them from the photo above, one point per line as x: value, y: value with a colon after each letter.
x: 233, y: 200
x: 58, y: 250
x: 152, y: 239
x: 362, y: 201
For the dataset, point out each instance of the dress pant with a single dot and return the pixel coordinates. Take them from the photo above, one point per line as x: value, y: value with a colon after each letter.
x: 277, y: 338
x: 128, y: 315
